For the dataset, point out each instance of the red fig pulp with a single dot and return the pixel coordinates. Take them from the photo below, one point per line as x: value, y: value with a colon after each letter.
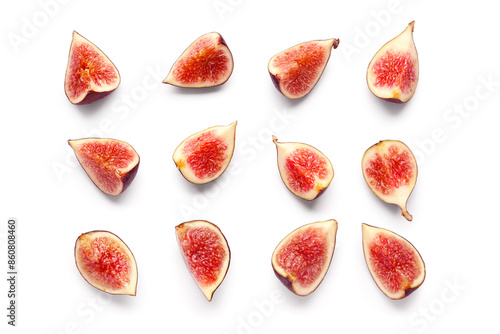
x: 110, y: 163
x: 296, y: 70
x: 207, y: 62
x: 90, y: 75
x: 205, y: 155
x: 106, y: 263
x: 301, y: 260
x: 392, y: 74
x: 205, y: 252
x: 394, y: 263
x: 390, y: 170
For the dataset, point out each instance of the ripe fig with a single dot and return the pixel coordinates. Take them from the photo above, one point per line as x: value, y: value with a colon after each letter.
x: 305, y: 171
x: 106, y: 263
x: 390, y: 170
x: 110, y: 163
x: 394, y: 263
x: 90, y: 75
x: 205, y: 252
x: 301, y: 260
x: 204, y: 156
x: 207, y: 62
x: 392, y: 74
x: 295, y: 71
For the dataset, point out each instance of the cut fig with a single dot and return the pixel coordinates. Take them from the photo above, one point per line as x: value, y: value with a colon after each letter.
x: 392, y: 74
x: 205, y: 252
x: 207, y: 62
x: 90, y: 75
x: 394, y: 263
x: 296, y: 70
x: 390, y: 170
x: 301, y: 260
x: 106, y: 263
x: 305, y: 171
x: 110, y: 163
x: 204, y: 156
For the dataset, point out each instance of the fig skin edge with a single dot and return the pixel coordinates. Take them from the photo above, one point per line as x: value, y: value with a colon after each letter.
x: 91, y: 95
x: 133, y: 259
x: 276, y: 81
x: 402, y: 205
x: 408, y: 291
x: 395, y: 100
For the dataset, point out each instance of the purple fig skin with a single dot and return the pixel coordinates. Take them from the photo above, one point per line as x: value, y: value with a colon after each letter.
x: 129, y: 177
x: 92, y: 97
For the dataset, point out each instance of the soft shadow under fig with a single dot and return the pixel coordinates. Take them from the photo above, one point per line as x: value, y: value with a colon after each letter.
x: 391, y: 107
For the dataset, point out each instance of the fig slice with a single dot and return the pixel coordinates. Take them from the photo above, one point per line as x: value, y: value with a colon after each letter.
x: 110, y: 163
x: 90, y: 75
x: 207, y: 62
x: 301, y: 260
x: 394, y: 263
x: 392, y: 74
x: 106, y: 263
x: 296, y: 70
x: 390, y: 170
x: 205, y: 252
x: 305, y: 171
x: 205, y: 155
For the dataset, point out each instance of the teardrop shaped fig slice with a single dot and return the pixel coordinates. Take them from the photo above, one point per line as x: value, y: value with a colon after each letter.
x: 90, y: 75
x: 106, y: 263
x: 205, y: 252
x: 305, y: 171
x: 301, y: 260
x: 204, y: 156
x: 207, y: 62
x: 390, y: 170
x: 392, y: 74
x: 295, y: 71
x: 110, y: 163
x: 394, y: 263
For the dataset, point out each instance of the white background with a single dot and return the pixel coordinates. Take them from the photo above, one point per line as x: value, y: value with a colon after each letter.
x: 454, y: 203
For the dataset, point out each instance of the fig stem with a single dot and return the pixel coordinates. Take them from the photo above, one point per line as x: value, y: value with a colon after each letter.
x: 407, y: 215
x: 275, y: 139
x: 336, y: 42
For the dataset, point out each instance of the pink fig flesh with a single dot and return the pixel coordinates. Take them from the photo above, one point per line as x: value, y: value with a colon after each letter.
x: 106, y: 263
x: 390, y: 170
x: 301, y: 260
x: 305, y: 171
x: 207, y: 62
x: 205, y: 252
x: 90, y: 74
x: 394, y: 263
x: 110, y: 163
x: 205, y: 155
x: 295, y: 71
x: 393, y: 72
